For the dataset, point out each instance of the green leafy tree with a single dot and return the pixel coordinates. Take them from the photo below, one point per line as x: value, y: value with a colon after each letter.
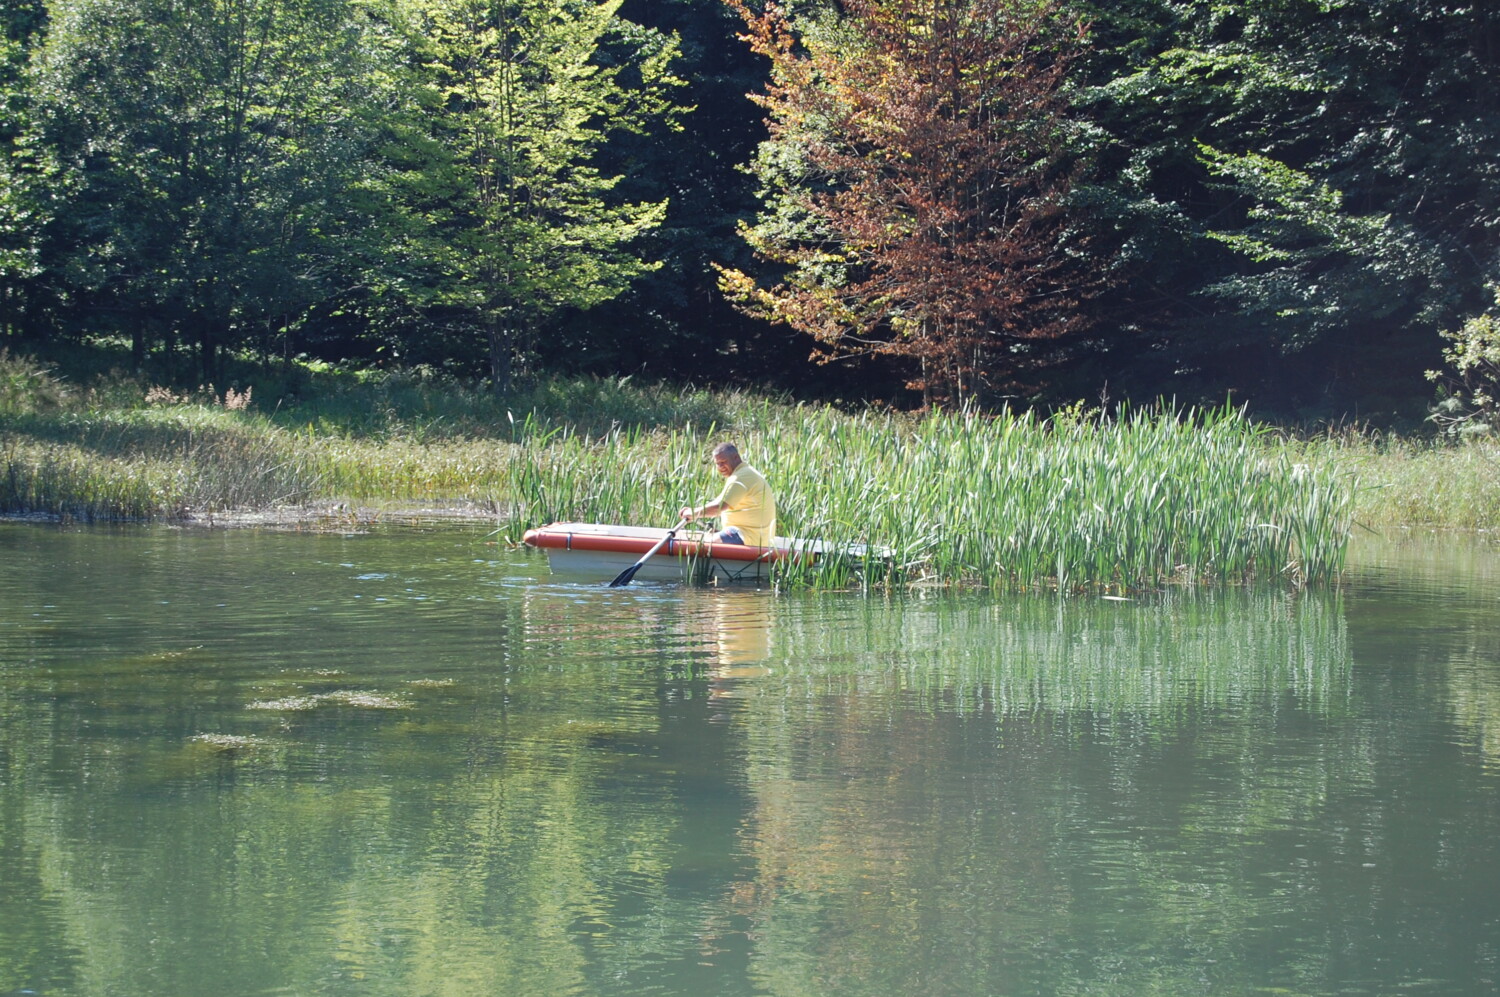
x: 675, y: 321
x: 1316, y: 263
x: 916, y: 177
x: 1470, y: 386
x: 517, y: 220
x: 21, y: 22
x: 202, y: 153
x: 1302, y: 193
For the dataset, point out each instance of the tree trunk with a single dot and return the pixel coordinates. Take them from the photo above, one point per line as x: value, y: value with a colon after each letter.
x: 208, y: 356
x: 138, y: 345
x: 502, y: 357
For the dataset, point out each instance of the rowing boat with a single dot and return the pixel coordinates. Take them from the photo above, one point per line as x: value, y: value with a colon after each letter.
x: 601, y: 550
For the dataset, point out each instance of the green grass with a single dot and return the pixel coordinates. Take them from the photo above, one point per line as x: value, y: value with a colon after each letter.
x: 1414, y: 483
x: 1099, y: 502
x: 167, y: 463
x: 427, y: 408
x: 102, y: 451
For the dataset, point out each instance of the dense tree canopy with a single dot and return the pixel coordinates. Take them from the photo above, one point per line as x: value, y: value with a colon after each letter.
x: 1285, y: 201
x: 196, y: 160
x: 1304, y: 192
x: 916, y: 179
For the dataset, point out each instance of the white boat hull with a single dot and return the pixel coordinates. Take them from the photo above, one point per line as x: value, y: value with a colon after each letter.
x: 601, y: 551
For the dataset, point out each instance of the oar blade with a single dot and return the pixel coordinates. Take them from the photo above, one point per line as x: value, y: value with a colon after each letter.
x: 624, y: 577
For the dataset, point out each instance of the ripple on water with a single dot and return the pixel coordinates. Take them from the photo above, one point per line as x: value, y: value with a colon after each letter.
x: 229, y: 742
x: 345, y: 697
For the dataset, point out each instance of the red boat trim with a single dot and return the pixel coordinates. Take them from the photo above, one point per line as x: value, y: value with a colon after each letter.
x: 548, y: 538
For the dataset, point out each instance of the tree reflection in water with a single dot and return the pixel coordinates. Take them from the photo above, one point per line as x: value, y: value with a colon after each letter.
x: 414, y: 771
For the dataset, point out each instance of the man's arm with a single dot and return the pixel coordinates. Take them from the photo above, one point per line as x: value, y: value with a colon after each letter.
x: 733, y: 489
x: 702, y: 511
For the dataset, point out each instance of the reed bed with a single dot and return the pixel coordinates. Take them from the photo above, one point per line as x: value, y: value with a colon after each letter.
x: 1009, y: 502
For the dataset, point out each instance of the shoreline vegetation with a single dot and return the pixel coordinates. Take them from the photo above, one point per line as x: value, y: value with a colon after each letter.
x: 1088, y: 501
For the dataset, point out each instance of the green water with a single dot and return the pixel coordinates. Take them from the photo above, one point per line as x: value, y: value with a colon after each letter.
x: 409, y: 762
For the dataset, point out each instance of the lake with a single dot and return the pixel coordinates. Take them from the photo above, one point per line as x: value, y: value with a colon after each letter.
x: 408, y: 761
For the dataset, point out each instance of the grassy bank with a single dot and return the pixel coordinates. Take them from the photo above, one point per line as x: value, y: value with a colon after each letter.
x: 1081, y: 502
x: 117, y: 448
x: 1405, y: 483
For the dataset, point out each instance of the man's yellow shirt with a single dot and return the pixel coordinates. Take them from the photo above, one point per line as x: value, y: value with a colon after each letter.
x: 747, y: 504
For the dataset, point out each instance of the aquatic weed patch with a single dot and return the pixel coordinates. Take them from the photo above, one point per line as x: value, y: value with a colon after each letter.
x: 1005, y: 502
x: 342, y: 697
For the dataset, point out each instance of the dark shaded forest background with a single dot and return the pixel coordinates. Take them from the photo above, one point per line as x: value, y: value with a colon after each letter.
x: 1285, y: 202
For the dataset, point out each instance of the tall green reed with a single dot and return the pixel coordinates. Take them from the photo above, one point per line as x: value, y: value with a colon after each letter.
x: 1006, y: 502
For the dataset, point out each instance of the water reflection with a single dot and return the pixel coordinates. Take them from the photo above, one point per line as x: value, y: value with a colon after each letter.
x: 741, y: 623
x: 408, y: 763
x: 1432, y: 604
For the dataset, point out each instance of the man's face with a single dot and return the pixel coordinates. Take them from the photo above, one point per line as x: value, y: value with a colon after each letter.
x: 725, y: 466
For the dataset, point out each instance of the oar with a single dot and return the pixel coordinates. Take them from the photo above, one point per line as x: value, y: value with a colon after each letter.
x: 624, y: 577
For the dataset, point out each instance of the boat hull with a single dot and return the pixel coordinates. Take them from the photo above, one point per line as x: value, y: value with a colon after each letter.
x: 601, y: 551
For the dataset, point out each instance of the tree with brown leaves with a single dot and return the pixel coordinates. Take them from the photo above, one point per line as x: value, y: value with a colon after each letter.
x: 914, y: 182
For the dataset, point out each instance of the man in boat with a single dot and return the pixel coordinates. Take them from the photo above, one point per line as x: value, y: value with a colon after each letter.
x: 746, y: 504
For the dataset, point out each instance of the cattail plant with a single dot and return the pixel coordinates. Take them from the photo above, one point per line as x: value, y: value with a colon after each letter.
x: 1136, y: 498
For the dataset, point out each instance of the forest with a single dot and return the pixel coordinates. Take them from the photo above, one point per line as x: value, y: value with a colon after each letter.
x: 1291, y: 205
